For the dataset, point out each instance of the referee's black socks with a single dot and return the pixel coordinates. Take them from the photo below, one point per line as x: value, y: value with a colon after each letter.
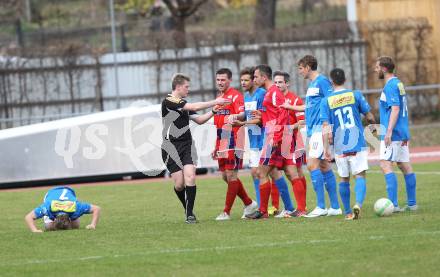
x: 190, y: 198
x: 181, y: 196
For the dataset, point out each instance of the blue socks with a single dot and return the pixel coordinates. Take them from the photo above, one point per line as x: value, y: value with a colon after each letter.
x: 410, y: 181
x: 344, y: 192
x: 284, y: 193
x: 360, y: 189
x: 257, y: 190
x: 318, y: 186
x: 330, y: 185
x: 391, y: 181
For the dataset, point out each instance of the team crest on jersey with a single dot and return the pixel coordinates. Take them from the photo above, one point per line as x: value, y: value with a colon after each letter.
x: 312, y: 92
x: 63, y: 206
x: 401, y: 88
x: 341, y: 100
x: 250, y: 106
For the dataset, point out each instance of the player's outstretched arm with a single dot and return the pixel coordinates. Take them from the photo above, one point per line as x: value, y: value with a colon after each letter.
x: 200, y: 119
x: 204, y: 105
x: 96, y: 212
x: 295, y: 108
x: 30, y: 221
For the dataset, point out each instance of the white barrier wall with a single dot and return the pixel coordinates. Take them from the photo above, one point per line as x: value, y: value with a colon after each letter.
x: 119, y: 141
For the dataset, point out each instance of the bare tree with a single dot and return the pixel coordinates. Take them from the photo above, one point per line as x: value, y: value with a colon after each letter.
x: 180, y: 11
x: 265, y: 12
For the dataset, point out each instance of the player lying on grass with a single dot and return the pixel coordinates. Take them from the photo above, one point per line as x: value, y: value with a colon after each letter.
x: 61, y: 211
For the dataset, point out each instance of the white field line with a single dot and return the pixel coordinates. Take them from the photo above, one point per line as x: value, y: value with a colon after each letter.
x: 218, y: 248
x: 411, y: 155
x: 399, y: 172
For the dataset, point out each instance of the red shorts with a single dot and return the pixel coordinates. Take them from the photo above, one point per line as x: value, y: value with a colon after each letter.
x: 271, y: 156
x: 230, y: 160
x: 301, y: 160
x: 288, y: 147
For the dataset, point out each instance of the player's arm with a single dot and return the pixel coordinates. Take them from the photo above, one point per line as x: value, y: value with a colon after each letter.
x: 391, y: 124
x: 327, y: 139
x: 253, y: 121
x: 200, y: 119
x: 204, y: 105
x: 371, y: 122
x: 96, y: 212
x: 296, y: 108
x: 30, y: 221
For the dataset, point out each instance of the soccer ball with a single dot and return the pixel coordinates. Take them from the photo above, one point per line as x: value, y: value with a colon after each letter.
x: 383, y: 207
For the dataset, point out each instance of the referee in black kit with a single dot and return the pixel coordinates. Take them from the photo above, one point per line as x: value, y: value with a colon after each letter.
x: 178, y: 150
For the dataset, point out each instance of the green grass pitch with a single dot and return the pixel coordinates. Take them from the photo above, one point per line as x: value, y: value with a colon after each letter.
x: 142, y: 232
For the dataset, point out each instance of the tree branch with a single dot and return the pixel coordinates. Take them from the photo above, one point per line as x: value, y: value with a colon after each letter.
x: 195, y: 7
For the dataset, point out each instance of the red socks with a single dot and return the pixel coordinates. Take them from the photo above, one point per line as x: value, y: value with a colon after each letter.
x: 300, y: 193
x: 275, y: 195
x: 243, y: 194
x: 264, y: 196
x: 235, y: 188
x: 231, y: 193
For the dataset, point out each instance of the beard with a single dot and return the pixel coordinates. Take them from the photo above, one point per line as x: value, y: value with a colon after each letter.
x: 381, y: 75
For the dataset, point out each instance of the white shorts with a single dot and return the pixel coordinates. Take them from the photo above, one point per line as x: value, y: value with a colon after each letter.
x: 395, y: 152
x: 254, y: 157
x: 354, y: 164
x: 315, y: 146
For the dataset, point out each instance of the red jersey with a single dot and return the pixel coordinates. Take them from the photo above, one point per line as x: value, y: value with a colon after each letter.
x: 221, y: 118
x: 295, y: 100
x: 273, y: 116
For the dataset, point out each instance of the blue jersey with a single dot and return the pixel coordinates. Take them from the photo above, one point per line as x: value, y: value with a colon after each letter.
x: 394, y: 94
x: 62, y: 200
x: 342, y: 109
x: 318, y: 89
x: 251, y: 103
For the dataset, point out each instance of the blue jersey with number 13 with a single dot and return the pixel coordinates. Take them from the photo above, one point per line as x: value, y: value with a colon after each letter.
x: 342, y: 109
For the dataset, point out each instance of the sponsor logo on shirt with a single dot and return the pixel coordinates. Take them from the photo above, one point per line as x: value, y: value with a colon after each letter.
x: 250, y: 106
x: 312, y: 92
x: 383, y: 97
x: 63, y: 206
x: 401, y: 88
x: 341, y: 100
x: 224, y: 112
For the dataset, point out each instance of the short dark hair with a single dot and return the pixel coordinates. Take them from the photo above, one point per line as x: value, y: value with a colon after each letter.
x: 284, y: 74
x: 179, y: 79
x: 265, y: 70
x: 386, y: 62
x: 338, y: 76
x: 309, y: 60
x: 248, y: 71
x: 226, y: 71
x: 62, y: 222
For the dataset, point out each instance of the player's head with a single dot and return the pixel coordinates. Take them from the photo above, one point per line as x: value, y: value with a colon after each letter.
x: 262, y: 74
x: 223, y: 78
x: 180, y: 84
x: 384, y: 65
x: 281, y: 80
x: 306, y: 65
x: 62, y: 221
x: 247, y: 78
x: 337, y: 76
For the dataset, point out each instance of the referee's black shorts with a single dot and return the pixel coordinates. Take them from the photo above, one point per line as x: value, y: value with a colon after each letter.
x: 176, y: 154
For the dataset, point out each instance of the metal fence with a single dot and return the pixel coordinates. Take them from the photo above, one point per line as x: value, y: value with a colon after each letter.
x: 36, y: 89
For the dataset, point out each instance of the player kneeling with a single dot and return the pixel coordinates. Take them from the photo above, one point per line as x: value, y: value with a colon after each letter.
x: 61, y: 211
x: 342, y: 111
